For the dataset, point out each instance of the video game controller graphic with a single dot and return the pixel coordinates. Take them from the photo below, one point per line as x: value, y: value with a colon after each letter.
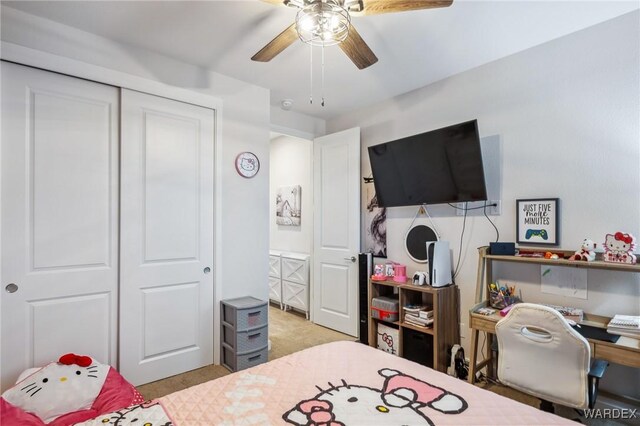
x: 536, y: 232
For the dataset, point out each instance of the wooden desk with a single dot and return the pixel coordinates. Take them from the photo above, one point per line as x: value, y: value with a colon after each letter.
x: 625, y: 351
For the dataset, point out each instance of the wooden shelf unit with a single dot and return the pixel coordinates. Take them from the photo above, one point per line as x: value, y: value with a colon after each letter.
x: 445, y: 330
x: 625, y: 351
x: 485, y: 259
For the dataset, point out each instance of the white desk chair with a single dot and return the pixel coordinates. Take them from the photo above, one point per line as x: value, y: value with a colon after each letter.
x: 541, y: 355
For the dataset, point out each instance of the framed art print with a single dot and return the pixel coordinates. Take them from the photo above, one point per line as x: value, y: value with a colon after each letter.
x: 537, y: 221
x: 289, y: 205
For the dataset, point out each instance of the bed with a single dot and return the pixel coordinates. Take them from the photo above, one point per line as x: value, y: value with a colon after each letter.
x: 345, y: 383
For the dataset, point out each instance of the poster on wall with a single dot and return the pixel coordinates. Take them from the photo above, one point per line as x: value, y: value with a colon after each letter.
x: 537, y: 221
x: 375, y: 222
x: 289, y: 205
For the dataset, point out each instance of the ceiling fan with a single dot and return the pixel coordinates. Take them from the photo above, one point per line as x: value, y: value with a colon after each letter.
x: 328, y: 22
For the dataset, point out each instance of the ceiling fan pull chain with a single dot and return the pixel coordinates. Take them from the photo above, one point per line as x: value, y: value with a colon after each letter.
x: 322, y: 78
x: 311, y: 74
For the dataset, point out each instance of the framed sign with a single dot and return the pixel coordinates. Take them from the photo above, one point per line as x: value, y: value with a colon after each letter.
x: 537, y: 221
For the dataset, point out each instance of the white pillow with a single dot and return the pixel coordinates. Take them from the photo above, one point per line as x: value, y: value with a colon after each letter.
x: 58, y: 389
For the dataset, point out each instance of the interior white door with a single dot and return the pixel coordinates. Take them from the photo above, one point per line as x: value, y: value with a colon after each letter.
x: 59, y: 220
x: 166, y: 255
x: 336, y: 239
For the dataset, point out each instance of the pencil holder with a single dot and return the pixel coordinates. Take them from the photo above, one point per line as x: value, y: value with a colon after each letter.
x: 499, y: 301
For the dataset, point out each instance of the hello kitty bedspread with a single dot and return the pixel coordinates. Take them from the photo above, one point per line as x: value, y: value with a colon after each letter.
x: 342, y: 384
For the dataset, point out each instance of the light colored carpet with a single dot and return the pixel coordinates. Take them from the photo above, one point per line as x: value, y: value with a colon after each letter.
x: 289, y: 332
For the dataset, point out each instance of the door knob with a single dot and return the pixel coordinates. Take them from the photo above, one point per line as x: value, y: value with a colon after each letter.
x: 11, y: 288
x: 207, y: 270
x: 352, y: 258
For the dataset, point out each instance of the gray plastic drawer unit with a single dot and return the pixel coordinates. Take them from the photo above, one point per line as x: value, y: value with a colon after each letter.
x: 245, y: 332
x: 237, y: 362
x: 245, y: 341
x: 244, y: 313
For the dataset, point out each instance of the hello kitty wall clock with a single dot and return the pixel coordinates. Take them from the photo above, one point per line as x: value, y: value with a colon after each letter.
x: 247, y: 164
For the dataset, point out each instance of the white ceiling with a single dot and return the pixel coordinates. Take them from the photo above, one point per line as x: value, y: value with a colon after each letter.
x: 414, y: 48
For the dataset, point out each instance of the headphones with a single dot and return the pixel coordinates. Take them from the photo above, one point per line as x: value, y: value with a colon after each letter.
x: 421, y: 278
x: 457, y: 367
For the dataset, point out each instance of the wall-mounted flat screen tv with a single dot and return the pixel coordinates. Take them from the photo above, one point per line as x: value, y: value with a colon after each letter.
x: 440, y: 166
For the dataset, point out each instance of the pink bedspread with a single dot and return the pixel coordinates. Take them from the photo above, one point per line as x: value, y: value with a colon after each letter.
x: 345, y: 383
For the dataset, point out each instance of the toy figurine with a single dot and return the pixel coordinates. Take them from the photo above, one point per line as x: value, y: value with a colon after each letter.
x: 378, y: 273
x: 586, y: 252
x: 619, y: 247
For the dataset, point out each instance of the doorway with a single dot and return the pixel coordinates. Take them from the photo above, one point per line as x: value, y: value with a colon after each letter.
x: 312, y: 269
x: 291, y: 223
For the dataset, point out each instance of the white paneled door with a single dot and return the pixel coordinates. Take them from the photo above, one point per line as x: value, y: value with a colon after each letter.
x: 336, y: 237
x: 59, y: 244
x: 166, y: 280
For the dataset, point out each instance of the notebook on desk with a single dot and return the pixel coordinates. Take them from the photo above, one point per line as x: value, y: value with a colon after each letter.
x: 590, y: 332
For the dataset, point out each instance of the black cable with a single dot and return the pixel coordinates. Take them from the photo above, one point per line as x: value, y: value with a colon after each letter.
x: 464, y: 225
x: 482, y: 353
x: 472, y: 208
x: 491, y: 222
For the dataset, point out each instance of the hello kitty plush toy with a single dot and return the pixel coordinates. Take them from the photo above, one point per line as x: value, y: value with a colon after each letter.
x: 72, y: 390
x: 619, y: 247
x: 586, y: 252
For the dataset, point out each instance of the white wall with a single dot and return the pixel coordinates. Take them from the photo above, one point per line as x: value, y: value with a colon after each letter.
x: 566, y: 117
x: 242, y: 204
x: 296, y: 124
x: 290, y: 164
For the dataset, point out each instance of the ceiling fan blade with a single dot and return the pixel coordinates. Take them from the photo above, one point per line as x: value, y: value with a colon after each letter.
x: 277, y: 45
x: 377, y: 7
x: 357, y: 50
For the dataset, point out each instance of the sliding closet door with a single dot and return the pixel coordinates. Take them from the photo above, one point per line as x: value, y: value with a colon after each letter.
x: 59, y: 219
x: 166, y: 254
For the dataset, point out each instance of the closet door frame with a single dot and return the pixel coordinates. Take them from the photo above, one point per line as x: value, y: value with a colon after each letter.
x: 11, y: 52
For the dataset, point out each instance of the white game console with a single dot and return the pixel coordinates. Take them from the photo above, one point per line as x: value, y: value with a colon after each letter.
x: 439, y: 263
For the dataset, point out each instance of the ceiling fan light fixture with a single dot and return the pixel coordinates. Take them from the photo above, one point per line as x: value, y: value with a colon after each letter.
x: 323, y: 23
x: 294, y: 3
x: 354, y: 5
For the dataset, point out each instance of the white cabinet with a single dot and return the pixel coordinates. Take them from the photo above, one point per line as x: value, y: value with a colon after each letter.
x: 295, y: 268
x: 275, y: 281
x: 295, y: 281
x: 289, y: 280
x: 274, y: 264
x: 296, y: 296
x: 275, y: 290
